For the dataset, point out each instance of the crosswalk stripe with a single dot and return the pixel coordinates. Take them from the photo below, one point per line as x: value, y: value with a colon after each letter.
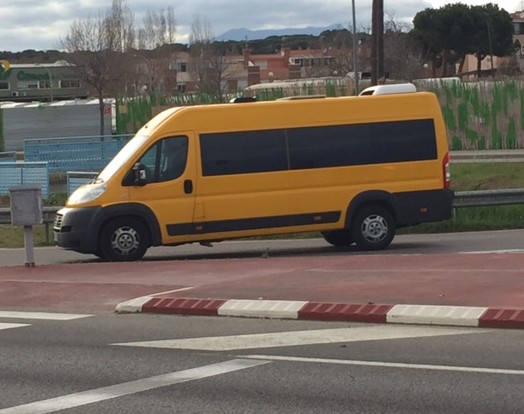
x: 297, y: 338
x: 386, y: 364
x: 12, y: 325
x: 132, y: 387
x: 50, y: 316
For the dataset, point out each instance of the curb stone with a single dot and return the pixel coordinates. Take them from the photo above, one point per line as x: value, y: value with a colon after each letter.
x: 464, y: 316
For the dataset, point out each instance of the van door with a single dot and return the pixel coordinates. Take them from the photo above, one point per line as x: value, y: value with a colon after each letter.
x: 168, y: 189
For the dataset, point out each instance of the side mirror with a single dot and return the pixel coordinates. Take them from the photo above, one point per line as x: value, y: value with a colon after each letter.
x: 140, y: 174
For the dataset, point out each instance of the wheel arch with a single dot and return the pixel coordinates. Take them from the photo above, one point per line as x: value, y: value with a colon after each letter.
x: 137, y: 211
x: 368, y: 198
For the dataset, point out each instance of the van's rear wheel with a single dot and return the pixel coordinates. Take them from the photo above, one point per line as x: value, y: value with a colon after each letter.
x: 373, y: 228
x: 339, y: 238
x: 123, y: 240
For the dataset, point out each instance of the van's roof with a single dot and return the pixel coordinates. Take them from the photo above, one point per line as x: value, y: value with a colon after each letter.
x: 289, y: 113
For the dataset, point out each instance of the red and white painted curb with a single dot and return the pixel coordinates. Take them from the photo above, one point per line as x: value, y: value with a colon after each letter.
x: 484, y: 317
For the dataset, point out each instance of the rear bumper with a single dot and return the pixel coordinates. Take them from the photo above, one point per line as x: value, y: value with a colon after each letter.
x: 423, y: 207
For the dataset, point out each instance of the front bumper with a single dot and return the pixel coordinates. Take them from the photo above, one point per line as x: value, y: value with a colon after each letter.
x: 74, y: 229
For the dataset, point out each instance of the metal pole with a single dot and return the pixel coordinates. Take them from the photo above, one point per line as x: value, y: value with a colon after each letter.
x: 355, y: 71
x: 50, y: 82
x: 29, y: 246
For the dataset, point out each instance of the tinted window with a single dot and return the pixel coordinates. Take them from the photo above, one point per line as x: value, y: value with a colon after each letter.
x: 243, y: 152
x: 362, y: 144
x: 318, y: 147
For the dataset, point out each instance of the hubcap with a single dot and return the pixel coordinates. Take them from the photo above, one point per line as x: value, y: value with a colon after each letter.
x: 125, y: 241
x: 374, y: 228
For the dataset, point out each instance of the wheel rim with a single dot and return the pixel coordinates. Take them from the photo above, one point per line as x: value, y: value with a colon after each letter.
x: 125, y: 241
x: 374, y: 228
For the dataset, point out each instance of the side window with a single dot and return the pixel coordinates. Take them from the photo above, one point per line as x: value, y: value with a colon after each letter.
x: 166, y: 160
x: 361, y: 144
x: 173, y: 158
x: 243, y: 152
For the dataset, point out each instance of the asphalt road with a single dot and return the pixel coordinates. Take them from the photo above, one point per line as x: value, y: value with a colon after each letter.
x: 88, y: 359
x: 167, y: 364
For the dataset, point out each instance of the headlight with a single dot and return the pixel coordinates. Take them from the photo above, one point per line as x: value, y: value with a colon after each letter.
x: 87, y: 193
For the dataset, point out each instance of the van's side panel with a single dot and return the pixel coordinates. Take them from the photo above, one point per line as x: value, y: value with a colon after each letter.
x: 305, y: 199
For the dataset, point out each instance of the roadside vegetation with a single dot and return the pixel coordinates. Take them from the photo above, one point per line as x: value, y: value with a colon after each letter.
x: 465, y: 177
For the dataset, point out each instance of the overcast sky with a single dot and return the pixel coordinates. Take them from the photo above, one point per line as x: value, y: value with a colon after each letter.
x: 39, y: 24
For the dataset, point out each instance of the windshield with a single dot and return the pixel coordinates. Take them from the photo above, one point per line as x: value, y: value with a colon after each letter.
x: 123, y: 156
x: 129, y: 151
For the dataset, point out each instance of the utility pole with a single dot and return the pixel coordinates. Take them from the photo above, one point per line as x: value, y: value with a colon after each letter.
x: 355, y: 69
x: 377, y: 47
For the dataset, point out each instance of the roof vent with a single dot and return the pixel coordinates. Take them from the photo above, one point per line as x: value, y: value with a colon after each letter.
x: 389, y: 89
x: 243, y: 99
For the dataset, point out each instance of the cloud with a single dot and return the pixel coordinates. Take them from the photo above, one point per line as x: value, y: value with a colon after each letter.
x: 39, y: 24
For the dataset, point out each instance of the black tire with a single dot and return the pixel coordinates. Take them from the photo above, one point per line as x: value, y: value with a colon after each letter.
x: 123, y: 240
x: 373, y: 228
x: 339, y: 238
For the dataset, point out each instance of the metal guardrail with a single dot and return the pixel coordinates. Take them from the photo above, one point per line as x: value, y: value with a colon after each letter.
x: 491, y: 156
x: 462, y: 199
x: 48, y: 218
x: 484, y: 198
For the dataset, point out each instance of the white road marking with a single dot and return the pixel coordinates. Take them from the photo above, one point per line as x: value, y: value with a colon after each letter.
x: 296, y: 338
x: 386, y: 364
x: 43, y: 315
x: 173, y: 291
x: 494, y: 251
x: 12, y: 325
x: 132, y: 387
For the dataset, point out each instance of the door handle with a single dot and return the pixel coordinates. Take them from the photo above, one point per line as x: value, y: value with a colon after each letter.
x: 188, y: 186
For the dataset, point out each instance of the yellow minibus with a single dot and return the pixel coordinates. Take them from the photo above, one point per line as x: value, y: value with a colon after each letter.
x: 353, y: 168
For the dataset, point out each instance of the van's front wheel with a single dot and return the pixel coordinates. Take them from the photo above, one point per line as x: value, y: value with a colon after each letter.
x: 373, y: 228
x: 123, y: 240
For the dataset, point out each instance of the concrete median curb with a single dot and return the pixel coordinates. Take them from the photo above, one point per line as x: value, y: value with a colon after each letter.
x: 483, y: 317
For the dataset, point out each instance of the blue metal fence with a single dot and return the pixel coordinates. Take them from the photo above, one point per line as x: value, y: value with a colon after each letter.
x: 24, y: 173
x: 76, y: 179
x: 9, y: 156
x: 90, y: 153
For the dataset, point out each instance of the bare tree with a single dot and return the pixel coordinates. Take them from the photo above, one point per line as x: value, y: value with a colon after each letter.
x: 210, y: 63
x: 170, y: 33
x: 120, y: 21
x: 403, y: 56
x: 96, y: 45
x: 159, y: 29
x: 88, y: 45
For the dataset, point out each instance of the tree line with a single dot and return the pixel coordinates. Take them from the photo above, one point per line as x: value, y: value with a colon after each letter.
x: 109, y: 46
x: 448, y: 34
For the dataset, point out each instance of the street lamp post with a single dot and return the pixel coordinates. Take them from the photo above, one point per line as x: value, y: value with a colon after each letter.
x: 355, y: 70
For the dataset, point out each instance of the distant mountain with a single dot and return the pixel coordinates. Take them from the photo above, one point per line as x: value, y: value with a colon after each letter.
x: 243, y: 34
